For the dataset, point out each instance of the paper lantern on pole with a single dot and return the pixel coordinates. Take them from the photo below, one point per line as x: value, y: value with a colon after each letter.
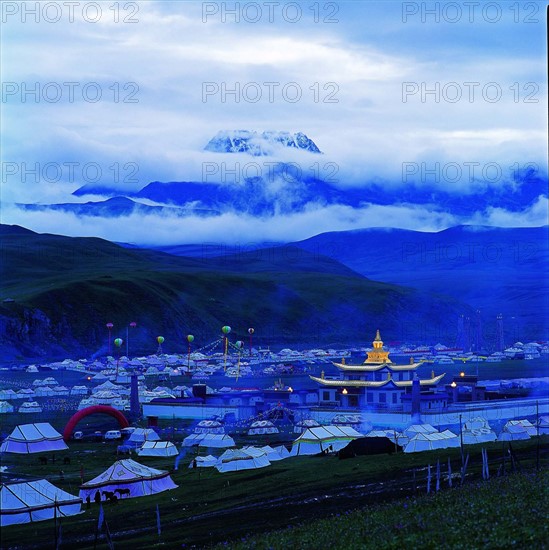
x: 239, y: 345
x: 225, y: 330
x: 118, y: 342
x: 160, y: 340
x: 250, y: 332
x: 109, y: 328
x: 190, y: 339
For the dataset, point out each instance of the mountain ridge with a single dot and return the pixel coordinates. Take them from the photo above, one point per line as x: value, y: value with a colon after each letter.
x: 58, y: 293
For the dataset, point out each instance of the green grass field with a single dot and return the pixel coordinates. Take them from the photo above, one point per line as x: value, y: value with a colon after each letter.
x: 209, y: 507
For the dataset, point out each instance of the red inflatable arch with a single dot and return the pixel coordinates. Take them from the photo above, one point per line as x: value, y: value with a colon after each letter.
x: 95, y: 409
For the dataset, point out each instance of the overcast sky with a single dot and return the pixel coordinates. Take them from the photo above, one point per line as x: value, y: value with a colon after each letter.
x: 153, y: 119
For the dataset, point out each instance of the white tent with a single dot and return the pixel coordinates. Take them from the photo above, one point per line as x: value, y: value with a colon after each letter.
x: 415, y: 429
x: 214, y: 441
x: 26, y: 393
x: 209, y: 427
x: 236, y: 460
x: 477, y: 431
x: 479, y: 435
x: 158, y: 448
x: 30, y: 407
x: 513, y: 431
x: 5, y: 407
x: 432, y: 441
x: 317, y: 440
x: 279, y: 453
x: 140, y: 435
x: 476, y: 424
x: 531, y: 430
x: 347, y: 419
x: 129, y: 475
x: 302, y: 425
x: 33, y: 438
x: 44, y: 391
x: 260, y: 427
x: 28, y: 501
x: 204, y: 461
x: 8, y: 394
x: 282, y: 451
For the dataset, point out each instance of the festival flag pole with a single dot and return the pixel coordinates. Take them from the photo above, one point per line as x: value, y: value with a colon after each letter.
x: 190, y: 339
x: 160, y: 340
x: 250, y: 332
x: 239, y: 344
x: 225, y: 330
x: 118, y: 342
x: 109, y: 328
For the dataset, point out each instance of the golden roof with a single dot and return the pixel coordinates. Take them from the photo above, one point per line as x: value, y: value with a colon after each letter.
x: 376, y: 366
x: 376, y: 383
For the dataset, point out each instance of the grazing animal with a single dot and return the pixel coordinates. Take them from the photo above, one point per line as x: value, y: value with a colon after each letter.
x: 43, y: 459
x: 107, y: 494
x: 67, y: 460
x: 113, y: 499
x: 122, y: 492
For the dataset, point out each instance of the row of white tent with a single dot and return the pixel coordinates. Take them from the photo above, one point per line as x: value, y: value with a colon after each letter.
x: 42, y: 437
x: 29, y: 501
x: 246, y: 458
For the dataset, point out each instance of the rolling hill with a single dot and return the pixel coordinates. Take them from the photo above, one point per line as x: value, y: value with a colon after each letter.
x: 59, y: 292
x: 496, y: 270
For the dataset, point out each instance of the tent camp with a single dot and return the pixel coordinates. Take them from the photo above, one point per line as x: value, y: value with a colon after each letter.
x: 432, y: 441
x: 236, y: 460
x: 130, y: 475
x: 33, y: 438
x: 261, y: 427
x: 317, y: 440
x: 158, y: 448
x: 28, y: 501
x: 214, y: 441
x: 204, y: 461
x: 140, y: 435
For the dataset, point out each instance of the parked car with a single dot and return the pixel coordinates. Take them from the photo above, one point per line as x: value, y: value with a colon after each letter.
x: 113, y: 434
x: 78, y: 435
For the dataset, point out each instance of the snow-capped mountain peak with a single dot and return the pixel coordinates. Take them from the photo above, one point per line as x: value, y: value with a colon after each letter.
x: 256, y: 144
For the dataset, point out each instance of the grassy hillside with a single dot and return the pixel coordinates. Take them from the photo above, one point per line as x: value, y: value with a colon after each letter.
x: 294, y: 494
x: 65, y: 289
x: 503, y: 513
